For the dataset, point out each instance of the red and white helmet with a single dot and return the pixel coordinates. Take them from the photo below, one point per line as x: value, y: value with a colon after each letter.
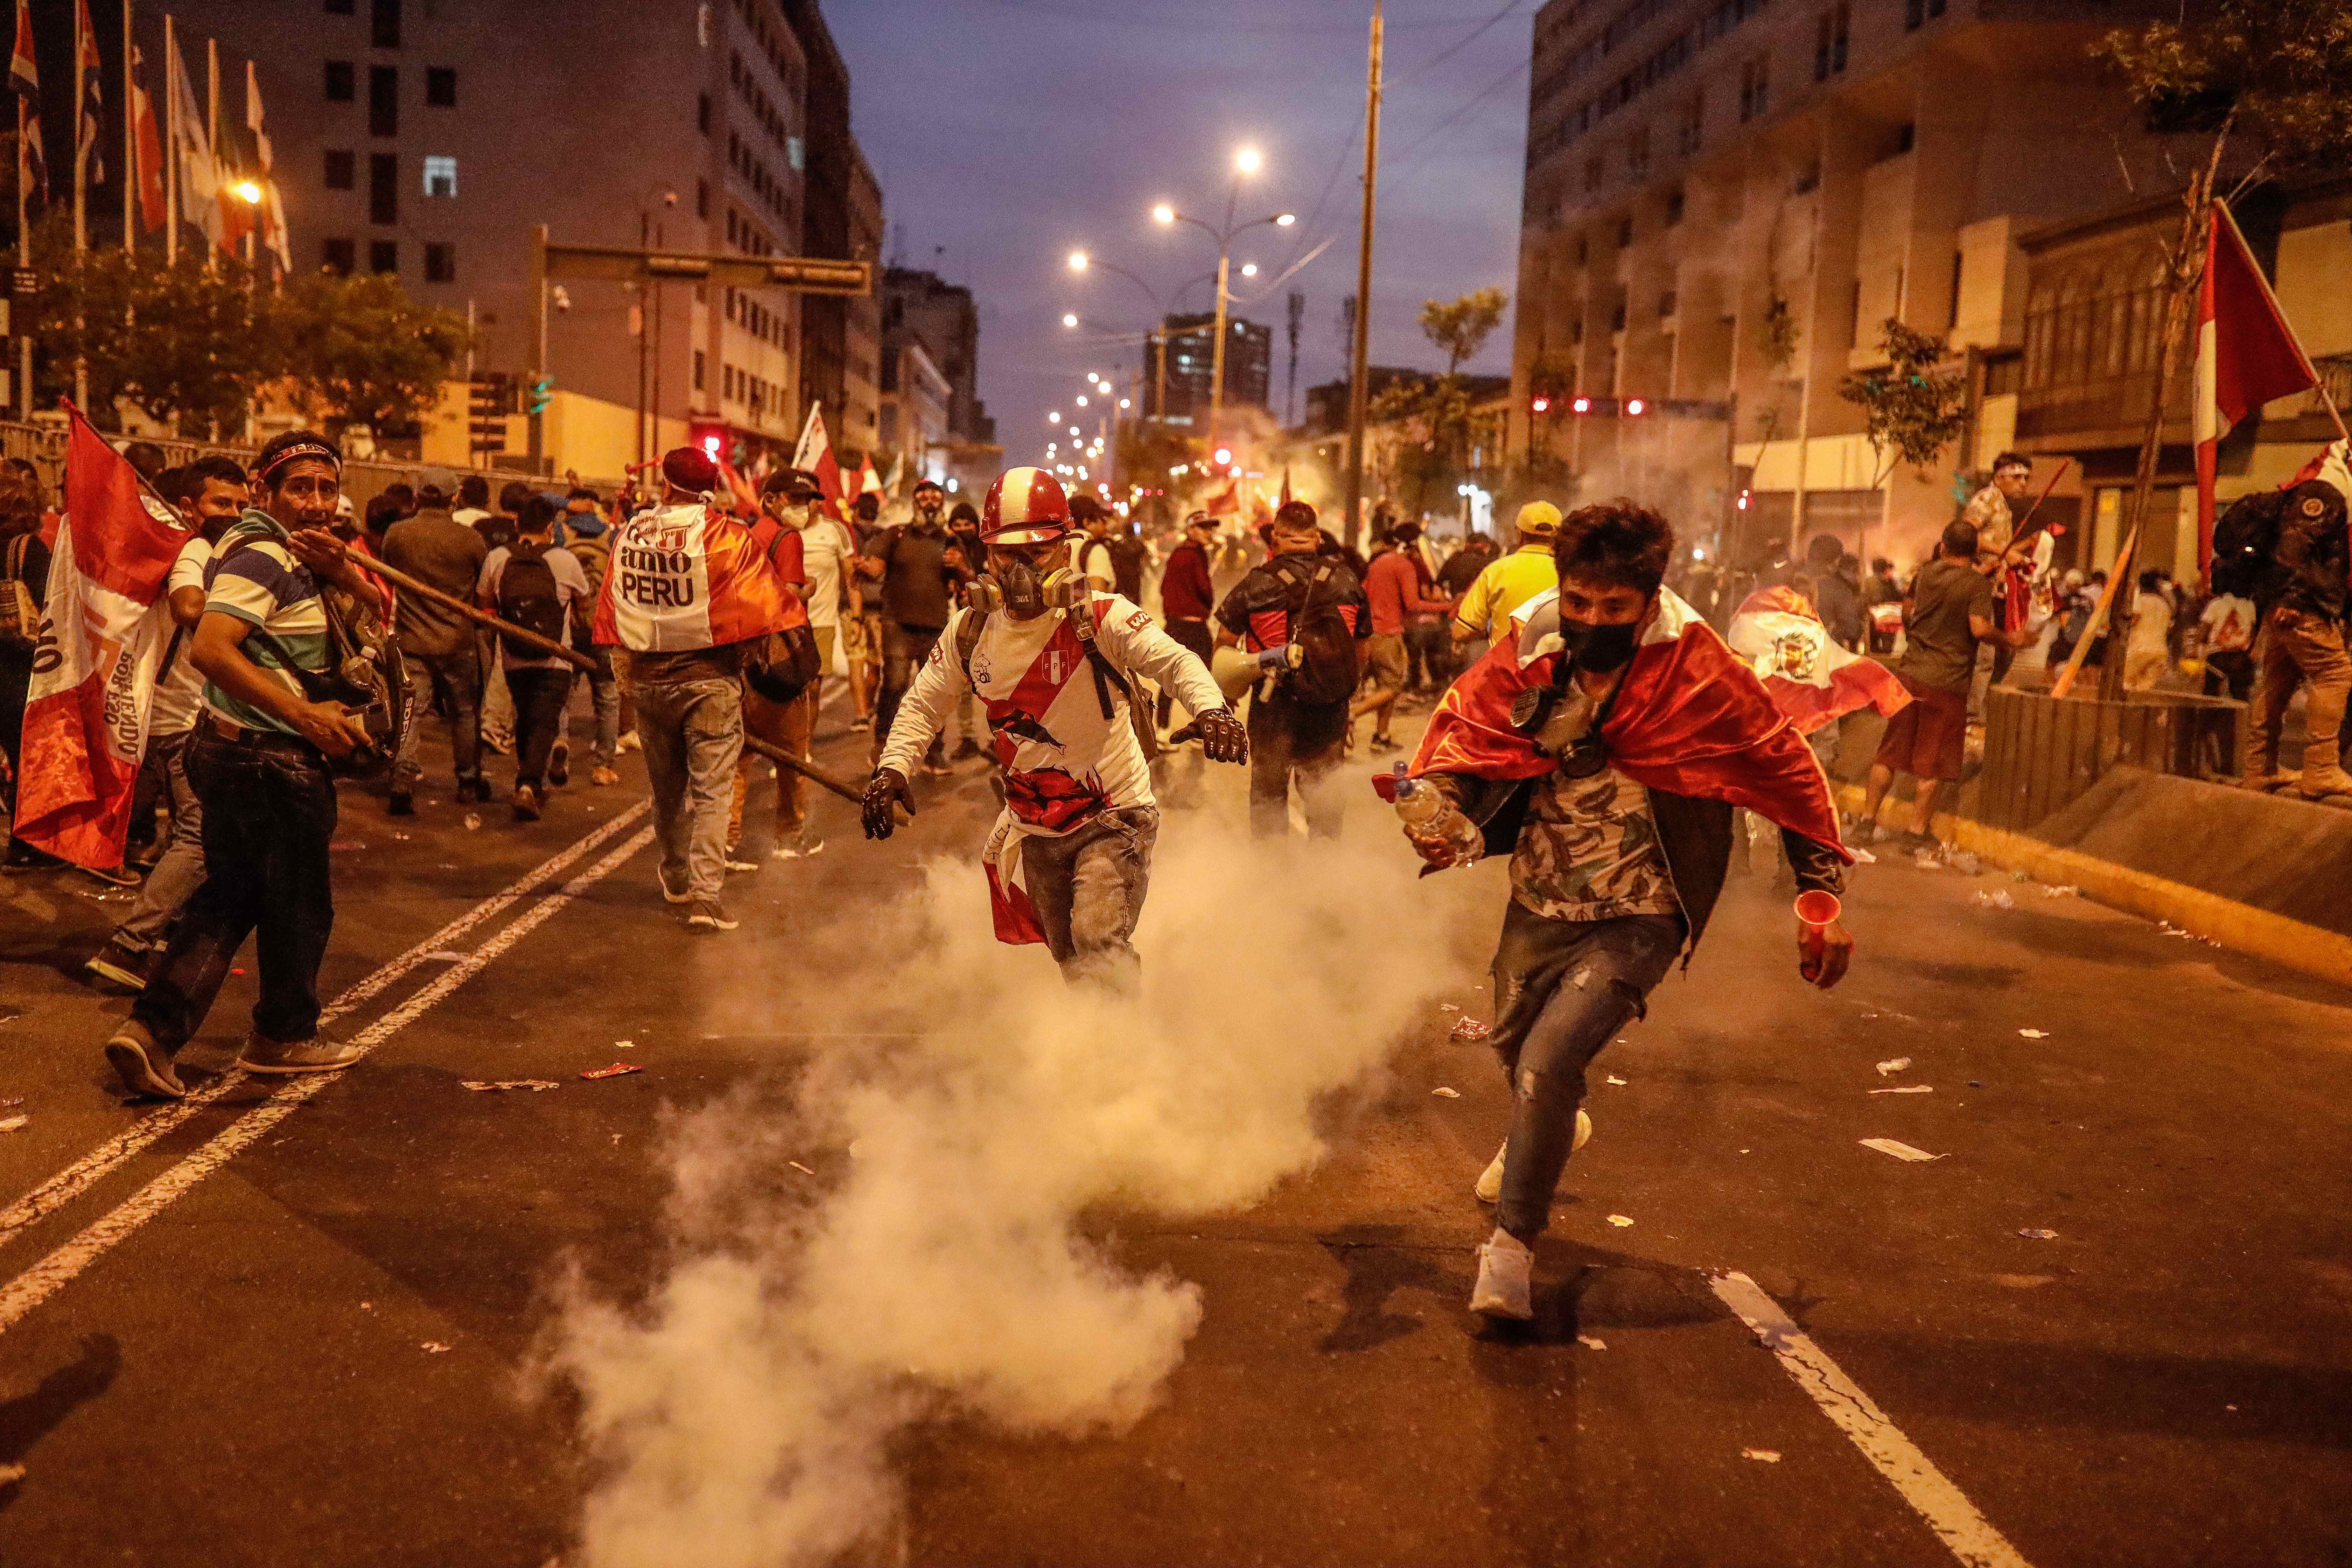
x: 1024, y: 506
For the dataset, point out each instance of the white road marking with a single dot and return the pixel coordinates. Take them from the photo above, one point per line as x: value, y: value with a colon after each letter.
x: 36, y: 1284
x: 77, y: 1178
x: 1954, y: 1518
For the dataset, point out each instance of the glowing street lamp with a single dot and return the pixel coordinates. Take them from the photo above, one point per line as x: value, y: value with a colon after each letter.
x: 1078, y: 261
x: 1247, y: 161
x: 1069, y: 319
x: 247, y: 191
x: 1249, y: 269
x: 1054, y: 418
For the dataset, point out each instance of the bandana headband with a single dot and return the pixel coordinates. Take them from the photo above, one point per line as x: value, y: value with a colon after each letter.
x: 298, y: 451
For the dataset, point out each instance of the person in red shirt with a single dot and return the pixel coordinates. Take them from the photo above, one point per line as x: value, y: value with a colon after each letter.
x: 1188, y: 597
x: 783, y: 724
x: 1393, y: 584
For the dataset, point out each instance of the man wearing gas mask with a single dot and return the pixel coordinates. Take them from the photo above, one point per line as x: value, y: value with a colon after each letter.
x: 1604, y: 746
x: 1055, y: 663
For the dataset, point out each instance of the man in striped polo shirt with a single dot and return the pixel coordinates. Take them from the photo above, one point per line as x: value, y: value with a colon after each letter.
x: 261, y: 764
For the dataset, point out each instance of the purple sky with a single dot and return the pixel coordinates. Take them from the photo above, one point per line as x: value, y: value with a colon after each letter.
x: 1007, y: 132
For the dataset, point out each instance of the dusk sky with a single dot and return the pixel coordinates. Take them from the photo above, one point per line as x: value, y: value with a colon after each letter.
x: 1007, y: 132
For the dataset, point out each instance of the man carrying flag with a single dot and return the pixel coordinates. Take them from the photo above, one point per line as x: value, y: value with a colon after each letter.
x: 1603, y: 745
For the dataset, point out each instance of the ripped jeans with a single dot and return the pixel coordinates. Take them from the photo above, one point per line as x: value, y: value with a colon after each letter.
x: 1562, y: 990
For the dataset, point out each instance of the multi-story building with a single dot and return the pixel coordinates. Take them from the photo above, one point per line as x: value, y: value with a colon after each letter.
x: 917, y: 397
x: 861, y: 343
x: 1189, y: 341
x: 944, y: 317
x: 426, y: 140
x: 1725, y: 199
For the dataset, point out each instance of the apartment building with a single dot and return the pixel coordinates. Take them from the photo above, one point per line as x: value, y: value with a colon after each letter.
x: 1190, y: 343
x: 1725, y: 198
x: 425, y: 140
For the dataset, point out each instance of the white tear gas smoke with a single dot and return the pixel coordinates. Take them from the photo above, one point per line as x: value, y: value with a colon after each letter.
x: 742, y: 1416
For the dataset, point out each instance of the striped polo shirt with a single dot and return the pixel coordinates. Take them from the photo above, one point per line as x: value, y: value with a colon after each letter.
x: 257, y: 578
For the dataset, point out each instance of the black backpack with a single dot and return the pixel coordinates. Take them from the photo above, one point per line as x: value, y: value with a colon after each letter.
x: 1127, y: 555
x: 527, y: 598
x: 1325, y: 668
x: 2245, y: 542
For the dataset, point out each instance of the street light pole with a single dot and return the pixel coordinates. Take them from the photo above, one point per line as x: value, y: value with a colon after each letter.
x: 1359, y: 387
x: 1217, y: 354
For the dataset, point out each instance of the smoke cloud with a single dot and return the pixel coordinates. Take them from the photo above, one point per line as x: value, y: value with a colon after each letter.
x: 952, y: 1255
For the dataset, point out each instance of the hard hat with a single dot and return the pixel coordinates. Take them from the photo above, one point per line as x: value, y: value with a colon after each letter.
x: 1024, y: 506
x: 1539, y: 518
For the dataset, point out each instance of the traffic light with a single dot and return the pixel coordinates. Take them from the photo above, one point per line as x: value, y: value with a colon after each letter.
x: 542, y: 392
x: 1539, y: 405
x: 1633, y: 407
x: 488, y: 401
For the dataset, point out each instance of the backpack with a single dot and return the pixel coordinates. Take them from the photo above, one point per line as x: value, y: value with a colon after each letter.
x: 528, y: 598
x: 20, y: 616
x: 1127, y: 555
x: 2245, y: 540
x: 1323, y: 670
x: 782, y: 665
x: 363, y: 669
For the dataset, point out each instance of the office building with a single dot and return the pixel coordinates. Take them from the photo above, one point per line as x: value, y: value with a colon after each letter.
x: 1189, y: 345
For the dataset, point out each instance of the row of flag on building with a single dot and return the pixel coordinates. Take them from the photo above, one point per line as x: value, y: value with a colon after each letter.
x: 202, y: 180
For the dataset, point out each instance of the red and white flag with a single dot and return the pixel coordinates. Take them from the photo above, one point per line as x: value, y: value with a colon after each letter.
x: 2246, y: 354
x: 147, y: 153
x: 94, y: 668
x: 688, y: 577
x: 869, y: 483
x: 814, y: 456
x: 1810, y: 679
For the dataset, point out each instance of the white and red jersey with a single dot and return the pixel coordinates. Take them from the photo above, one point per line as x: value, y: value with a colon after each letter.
x: 687, y: 577
x: 1063, y: 762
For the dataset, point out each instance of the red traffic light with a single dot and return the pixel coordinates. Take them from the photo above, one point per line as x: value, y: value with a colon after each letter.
x: 1633, y: 406
x: 1582, y: 405
x: 1539, y: 405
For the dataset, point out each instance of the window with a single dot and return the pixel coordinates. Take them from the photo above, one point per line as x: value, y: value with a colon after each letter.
x: 383, y: 101
x: 1617, y: 318
x: 441, y: 87
x: 441, y: 262
x: 1755, y: 90
x: 440, y: 176
x: 1917, y: 12
x: 336, y: 255
x: 384, y: 189
x: 1667, y: 304
x: 702, y: 198
x: 1674, y: 207
x: 1582, y: 250
x: 383, y: 26
x: 1907, y: 138
x: 1625, y: 231
x: 1591, y: 175
x: 702, y: 113
x: 1829, y: 44
x: 733, y: 228
x: 1694, y: 125
x: 795, y: 154
x: 384, y: 255
x: 342, y: 171
x: 1637, y: 154
x: 339, y: 7
x: 342, y: 82
x: 698, y: 353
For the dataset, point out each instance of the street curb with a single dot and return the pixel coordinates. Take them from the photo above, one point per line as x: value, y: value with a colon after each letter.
x: 2241, y: 928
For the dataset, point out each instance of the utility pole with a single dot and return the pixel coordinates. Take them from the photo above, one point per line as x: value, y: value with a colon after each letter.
x: 1217, y: 349
x: 1360, y: 388
x: 1296, y: 308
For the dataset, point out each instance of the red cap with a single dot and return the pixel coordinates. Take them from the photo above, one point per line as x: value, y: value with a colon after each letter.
x: 1024, y: 506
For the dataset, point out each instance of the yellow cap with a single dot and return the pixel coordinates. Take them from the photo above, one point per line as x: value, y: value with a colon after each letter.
x: 1539, y: 518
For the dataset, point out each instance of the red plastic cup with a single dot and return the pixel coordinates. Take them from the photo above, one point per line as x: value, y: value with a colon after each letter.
x: 1817, y: 910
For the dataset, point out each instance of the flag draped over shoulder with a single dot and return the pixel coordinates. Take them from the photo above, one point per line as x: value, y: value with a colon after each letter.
x: 1690, y: 719
x: 2246, y: 354
x: 684, y: 577
x: 94, y: 669
x: 1808, y: 677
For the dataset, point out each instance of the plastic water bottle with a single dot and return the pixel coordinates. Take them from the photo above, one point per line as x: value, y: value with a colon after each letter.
x: 1422, y: 806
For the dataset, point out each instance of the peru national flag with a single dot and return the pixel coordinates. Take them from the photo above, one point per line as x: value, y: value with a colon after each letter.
x: 2246, y: 354
x: 814, y: 456
x: 1810, y: 679
x: 94, y: 670
x: 686, y: 577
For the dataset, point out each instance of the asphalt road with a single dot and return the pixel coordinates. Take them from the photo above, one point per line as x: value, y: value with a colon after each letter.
x: 300, y: 1329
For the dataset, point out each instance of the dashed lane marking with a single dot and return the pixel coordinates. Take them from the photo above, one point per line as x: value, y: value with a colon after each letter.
x: 1949, y: 1513
x: 36, y: 1284
x: 77, y: 1178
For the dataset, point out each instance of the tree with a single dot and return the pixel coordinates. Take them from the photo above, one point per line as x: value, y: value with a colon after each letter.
x: 1433, y: 412
x: 1916, y: 407
x: 363, y: 353
x: 1460, y: 328
x: 2268, y: 73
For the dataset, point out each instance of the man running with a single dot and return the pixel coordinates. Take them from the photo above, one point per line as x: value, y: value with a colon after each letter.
x: 1055, y: 660
x: 1604, y: 746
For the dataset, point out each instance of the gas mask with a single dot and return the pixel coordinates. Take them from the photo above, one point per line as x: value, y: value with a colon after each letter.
x: 1020, y: 587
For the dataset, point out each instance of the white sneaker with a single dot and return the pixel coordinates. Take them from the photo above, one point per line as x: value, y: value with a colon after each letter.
x: 669, y: 897
x: 1503, y: 1291
x: 628, y: 742
x: 1490, y: 1180
x: 799, y: 848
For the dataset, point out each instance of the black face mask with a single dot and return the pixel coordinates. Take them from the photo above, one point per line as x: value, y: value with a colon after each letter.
x: 1599, y: 648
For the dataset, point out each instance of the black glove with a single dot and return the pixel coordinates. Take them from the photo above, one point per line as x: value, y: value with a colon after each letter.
x: 888, y: 788
x: 1224, y: 737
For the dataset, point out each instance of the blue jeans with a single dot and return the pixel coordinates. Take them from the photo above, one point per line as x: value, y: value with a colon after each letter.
x: 693, y: 735
x: 456, y: 677
x: 1087, y: 887
x: 1562, y: 990
x: 180, y: 869
x: 269, y: 810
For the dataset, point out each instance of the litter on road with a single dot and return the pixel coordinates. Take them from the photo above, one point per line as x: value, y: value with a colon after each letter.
x: 435, y: 1347
x: 1900, y: 1151
x: 1892, y: 1065
x: 1765, y: 1455
x: 1615, y: 1079
x: 803, y: 1169
x: 10, y: 1123
x: 2039, y: 1235
x: 11, y: 1474
x: 535, y: 1084
x: 2000, y: 901
x: 1908, y: 1089
x: 2034, y: 1034
x: 1443, y: 1093
x: 473, y: 820
x: 1591, y: 1342
x: 1619, y: 1221
x: 2062, y: 890
x: 626, y: 1045
x: 1468, y: 1031
x: 615, y: 1070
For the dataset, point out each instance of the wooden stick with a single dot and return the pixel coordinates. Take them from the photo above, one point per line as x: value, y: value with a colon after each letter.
x: 806, y: 768
x: 2021, y: 531
x: 2065, y: 681
x: 478, y: 617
